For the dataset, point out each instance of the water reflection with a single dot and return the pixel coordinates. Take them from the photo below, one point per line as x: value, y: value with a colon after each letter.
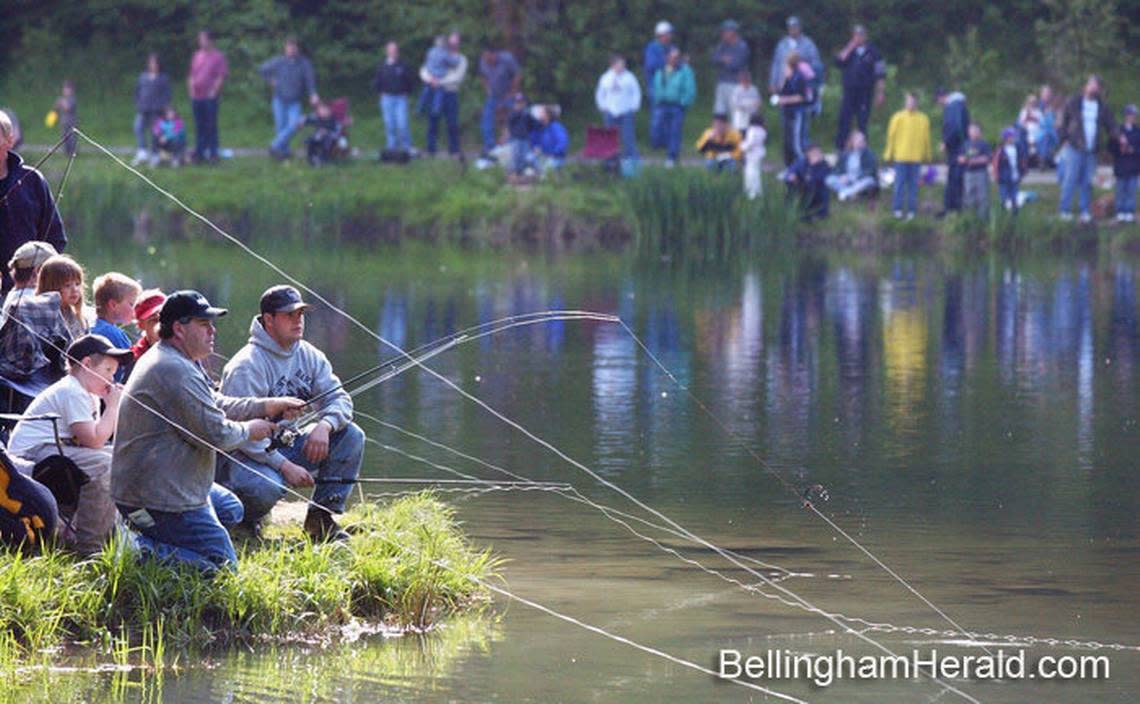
x: 860, y: 373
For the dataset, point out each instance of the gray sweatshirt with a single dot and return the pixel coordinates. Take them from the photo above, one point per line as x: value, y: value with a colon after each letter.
x: 265, y: 368
x: 157, y: 466
x: 293, y: 79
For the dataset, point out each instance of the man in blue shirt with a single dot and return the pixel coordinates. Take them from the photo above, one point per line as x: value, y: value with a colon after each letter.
x: 501, y: 78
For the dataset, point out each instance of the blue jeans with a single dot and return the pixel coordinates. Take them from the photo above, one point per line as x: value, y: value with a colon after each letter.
x: 195, y: 537
x: 1126, y: 195
x: 144, y: 121
x: 394, y: 112
x: 717, y: 166
x: 286, y: 120
x: 449, y: 111
x: 335, y: 474
x: 1079, y: 168
x: 205, y: 128
x: 794, y: 122
x: 669, y: 122
x: 520, y: 155
x: 487, y: 121
x: 625, y: 124
x: 906, y: 186
x: 1007, y: 192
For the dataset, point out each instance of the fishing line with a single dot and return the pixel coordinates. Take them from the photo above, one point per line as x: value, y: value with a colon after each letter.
x: 807, y: 503
x: 439, y: 563
x: 573, y: 494
x: 479, y: 402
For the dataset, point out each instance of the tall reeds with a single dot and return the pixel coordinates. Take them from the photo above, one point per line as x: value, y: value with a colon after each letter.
x: 284, y: 587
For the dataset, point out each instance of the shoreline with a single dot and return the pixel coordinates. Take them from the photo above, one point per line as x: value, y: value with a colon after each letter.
x: 284, y: 590
x: 678, y: 213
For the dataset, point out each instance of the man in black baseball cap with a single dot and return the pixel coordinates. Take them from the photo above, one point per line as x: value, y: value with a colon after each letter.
x: 278, y: 361
x: 162, y: 474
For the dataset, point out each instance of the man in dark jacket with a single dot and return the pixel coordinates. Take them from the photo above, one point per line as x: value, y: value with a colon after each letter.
x: 394, y: 81
x: 864, y: 81
x: 27, y: 210
x: 1086, y: 121
x: 955, y: 128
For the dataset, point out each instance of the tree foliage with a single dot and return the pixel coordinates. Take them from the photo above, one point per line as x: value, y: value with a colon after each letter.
x: 563, y: 44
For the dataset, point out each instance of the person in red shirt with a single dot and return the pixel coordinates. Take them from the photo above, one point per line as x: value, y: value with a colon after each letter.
x: 208, y: 71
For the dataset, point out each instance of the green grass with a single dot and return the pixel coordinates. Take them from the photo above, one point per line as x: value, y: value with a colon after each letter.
x: 288, y: 587
x: 684, y: 213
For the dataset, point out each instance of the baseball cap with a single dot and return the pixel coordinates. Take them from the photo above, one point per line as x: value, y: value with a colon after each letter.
x: 31, y: 254
x: 1008, y: 132
x: 149, y: 303
x: 1130, y: 109
x: 729, y: 26
x: 187, y: 304
x: 663, y: 27
x: 90, y: 344
x: 793, y: 21
x: 281, y: 299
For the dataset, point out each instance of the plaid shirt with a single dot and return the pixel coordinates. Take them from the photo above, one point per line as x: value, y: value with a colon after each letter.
x: 22, y: 351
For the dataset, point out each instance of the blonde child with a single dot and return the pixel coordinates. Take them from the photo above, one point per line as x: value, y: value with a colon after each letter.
x: 63, y: 274
x: 115, y: 295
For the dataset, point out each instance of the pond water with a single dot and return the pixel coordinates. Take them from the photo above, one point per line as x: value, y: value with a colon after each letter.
x: 973, y: 422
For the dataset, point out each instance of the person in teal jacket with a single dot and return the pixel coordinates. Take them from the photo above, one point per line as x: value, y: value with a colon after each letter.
x: 674, y: 89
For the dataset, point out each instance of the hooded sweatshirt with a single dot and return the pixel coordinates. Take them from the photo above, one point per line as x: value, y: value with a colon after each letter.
x: 264, y: 368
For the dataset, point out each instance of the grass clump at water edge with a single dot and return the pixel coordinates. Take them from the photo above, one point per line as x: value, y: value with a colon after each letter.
x: 389, y: 572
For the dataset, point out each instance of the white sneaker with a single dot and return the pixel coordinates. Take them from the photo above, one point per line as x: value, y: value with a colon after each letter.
x: 670, y: 163
x: 1085, y: 218
x: 1121, y: 217
x: 898, y: 214
x: 140, y: 157
x: 1130, y: 217
x: 1065, y: 217
x: 909, y: 217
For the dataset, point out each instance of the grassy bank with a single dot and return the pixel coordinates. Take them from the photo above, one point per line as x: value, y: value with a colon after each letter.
x: 286, y: 588
x: 680, y: 213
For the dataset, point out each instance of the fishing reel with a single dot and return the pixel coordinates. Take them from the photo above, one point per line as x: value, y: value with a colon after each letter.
x: 815, y: 493
x: 283, y: 436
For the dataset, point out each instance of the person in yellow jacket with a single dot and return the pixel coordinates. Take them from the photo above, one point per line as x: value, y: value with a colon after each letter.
x: 908, y: 147
x: 720, y: 145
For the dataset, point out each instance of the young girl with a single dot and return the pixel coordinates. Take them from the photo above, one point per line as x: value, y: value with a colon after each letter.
x: 63, y: 274
x: 753, y: 147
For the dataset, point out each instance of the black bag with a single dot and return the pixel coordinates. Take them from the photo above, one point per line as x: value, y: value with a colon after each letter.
x: 63, y: 479
x: 395, y: 156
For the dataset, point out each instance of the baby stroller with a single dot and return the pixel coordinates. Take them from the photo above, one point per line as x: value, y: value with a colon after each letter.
x: 329, y: 140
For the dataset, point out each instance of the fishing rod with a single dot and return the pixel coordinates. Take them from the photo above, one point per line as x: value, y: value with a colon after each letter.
x: 415, y: 480
x: 287, y: 431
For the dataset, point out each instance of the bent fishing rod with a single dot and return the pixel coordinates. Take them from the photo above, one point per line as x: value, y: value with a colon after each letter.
x: 287, y: 430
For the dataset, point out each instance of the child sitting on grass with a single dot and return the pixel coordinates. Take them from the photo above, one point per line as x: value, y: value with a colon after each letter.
x: 63, y: 274
x: 115, y: 295
x: 326, y: 131
x: 84, y: 432
x: 169, y: 138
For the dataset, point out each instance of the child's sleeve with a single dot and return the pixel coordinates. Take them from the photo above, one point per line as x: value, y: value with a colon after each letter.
x: 75, y: 406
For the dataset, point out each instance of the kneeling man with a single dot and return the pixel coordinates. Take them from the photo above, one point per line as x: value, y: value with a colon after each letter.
x: 278, y: 362
x: 162, y: 468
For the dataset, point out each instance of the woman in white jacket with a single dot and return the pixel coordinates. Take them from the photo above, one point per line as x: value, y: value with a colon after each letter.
x: 618, y: 97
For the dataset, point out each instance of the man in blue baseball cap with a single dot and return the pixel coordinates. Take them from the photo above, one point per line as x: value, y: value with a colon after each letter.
x: 171, y: 424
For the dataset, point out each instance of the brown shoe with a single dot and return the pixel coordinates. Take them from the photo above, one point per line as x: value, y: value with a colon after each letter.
x: 321, y: 527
